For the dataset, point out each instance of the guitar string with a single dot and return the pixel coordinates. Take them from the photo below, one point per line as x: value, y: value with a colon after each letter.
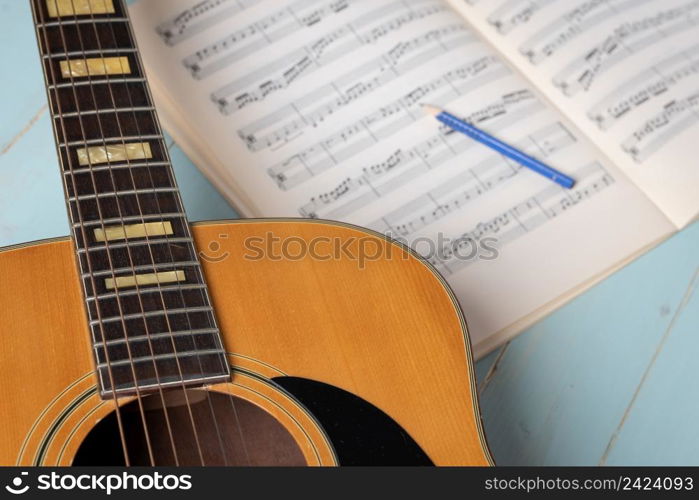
x: 61, y: 30
x: 105, y: 145
x: 211, y: 320
x: 133, y: 273
x: 39, y: 15
x: 127, y: 245
x: 185, y: 226
x: 203, y: 292
x: 138, y: 294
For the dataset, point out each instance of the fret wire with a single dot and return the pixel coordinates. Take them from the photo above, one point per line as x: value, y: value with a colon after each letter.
x: 151, y: 314
x: 140, y: 338
x: 98, y: 168
x: 133, y: 372
x: 128, y: 192
x: 164, y: 385
x: 133, y: 218
x: 157, y: 357
x: 144, y: 267
x: 103, y: 111
x: 77, y: 53
x: 91, y: 142
x: 198, y: 271
x: 38, y: 15
x: 119, y: 305
x: 204, y: 292
x: 128, y: 293
x: 116, y: 246
x: 61, y: 23
x: 139, y: 63
x: 135, y: 191
x: 137, y: 382
x: 104, y: 81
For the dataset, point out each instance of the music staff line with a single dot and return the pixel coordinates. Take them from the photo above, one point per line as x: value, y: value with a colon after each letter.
x: 350, y: 87
x: 303, y: 169
x: 469, y: 184
x: 400, y: 167
x: 524, y: 217
x: 199, y: 18
x: 581, y: 73
x: 643, y: 87
x: 587, y: 16
x: 678, y: 116
x: 330, y: 48
x: 456, y: 82
x: 514, y: 13
x: 261, y: 33
x: 271, y: 29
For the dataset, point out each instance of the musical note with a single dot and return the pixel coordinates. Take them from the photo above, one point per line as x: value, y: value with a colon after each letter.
x: 260, y: 34
x: 330, y: 152
x: 200, y: 17
x: 677, y: 116
x: 644, y: 87
x: 280, y: 74
x: 624, y: 40
x: 336, y: 131
x: 631, y: 66
x: 459, y: 190
x: 555, y: 35
x: 514, y: 13
x: 456, y: 82
x: 381, y: 178
x: 523, y: 217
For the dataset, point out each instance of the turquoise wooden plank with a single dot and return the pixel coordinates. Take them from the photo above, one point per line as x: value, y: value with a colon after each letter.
x: 201, y: 200
x: 485, y: 365
x: 22, y: 81
x: 31, y: 203
x: 563, y: 386
x: 31, y: 199
x: 660, y: 428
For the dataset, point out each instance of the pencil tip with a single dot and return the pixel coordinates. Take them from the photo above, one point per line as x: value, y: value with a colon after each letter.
x: 430, y: 109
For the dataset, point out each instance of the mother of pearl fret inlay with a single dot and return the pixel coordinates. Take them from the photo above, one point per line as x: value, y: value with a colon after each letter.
x: 58, y: 8
x: 114, y: 233
x: 144, y: 279
x: 137, y: 263
x: 114, y: 152
x: 95, y: 66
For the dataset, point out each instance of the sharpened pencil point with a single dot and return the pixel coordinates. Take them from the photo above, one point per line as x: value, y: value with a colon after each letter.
x: 431, y: 109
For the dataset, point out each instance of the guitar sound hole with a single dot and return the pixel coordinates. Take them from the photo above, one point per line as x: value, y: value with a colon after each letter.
x: 228, y: 430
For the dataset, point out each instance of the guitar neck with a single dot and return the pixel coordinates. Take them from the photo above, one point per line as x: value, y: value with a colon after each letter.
x: 150, y: 317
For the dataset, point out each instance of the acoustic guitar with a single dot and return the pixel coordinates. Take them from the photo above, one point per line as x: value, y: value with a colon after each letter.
x: 278, y: 342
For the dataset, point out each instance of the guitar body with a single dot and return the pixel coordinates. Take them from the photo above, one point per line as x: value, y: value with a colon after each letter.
x: 334, y: 360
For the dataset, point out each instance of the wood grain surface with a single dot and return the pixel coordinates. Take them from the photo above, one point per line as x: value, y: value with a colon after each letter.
x: 609, y: 378
x: 385, y: 329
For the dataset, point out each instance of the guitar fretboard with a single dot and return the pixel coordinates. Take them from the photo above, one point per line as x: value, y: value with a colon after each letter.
x: 150, y: 317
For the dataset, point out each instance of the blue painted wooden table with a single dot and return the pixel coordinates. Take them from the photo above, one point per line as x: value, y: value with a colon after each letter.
x: 611, y: 378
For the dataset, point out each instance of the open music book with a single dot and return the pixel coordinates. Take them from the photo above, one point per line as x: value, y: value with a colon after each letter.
x: 312, y: 108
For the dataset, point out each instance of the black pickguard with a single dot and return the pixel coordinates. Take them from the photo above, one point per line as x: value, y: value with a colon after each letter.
x: 360, y: 433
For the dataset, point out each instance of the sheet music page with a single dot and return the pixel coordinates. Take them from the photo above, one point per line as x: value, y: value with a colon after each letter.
x: 626, y: 72
x: 313, y: 108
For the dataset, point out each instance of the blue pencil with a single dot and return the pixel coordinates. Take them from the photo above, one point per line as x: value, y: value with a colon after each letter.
x: 525, y: 160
